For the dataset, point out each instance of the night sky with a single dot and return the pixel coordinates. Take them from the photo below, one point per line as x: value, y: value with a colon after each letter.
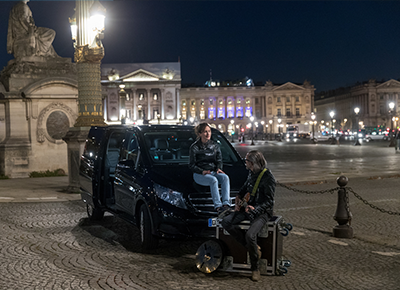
x: 329, y: 43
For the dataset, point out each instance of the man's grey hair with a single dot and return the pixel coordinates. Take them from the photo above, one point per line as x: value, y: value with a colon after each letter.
x: 258, y: 160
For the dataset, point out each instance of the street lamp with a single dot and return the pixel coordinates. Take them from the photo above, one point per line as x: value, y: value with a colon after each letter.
x: 332, y: 114
x: 279, y: 130
x: 252, y: 130
x: 262, y: 126
x: 313, y: 132
x: 392, y: 141
x: 232, y: 129
x: 270, y: 129
x: 87, y: 26
x: 356, y: 111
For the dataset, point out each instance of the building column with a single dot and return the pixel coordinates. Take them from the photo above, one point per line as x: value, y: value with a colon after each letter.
x: 134, y: 109
x: 162, y: 93
x: 178, y: 104
x: 149, y: 117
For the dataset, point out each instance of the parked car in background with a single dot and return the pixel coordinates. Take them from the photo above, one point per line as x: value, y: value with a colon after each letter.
x: 141, y: 174
x: 375, y: 136
x: 321, y: 136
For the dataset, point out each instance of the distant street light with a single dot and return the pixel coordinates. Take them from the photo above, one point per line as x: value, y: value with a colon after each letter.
x: 252, y: 130
x: 332, y: 114
x: 391, y: 111
x: 279, y: 128
x: 313, y: 132
x: 232, y: 129
x: 357, y: 110
x: 262, y: 126
x: 270, y: 129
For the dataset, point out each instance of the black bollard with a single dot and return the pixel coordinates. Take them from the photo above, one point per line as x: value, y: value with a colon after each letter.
x: 342, y: 215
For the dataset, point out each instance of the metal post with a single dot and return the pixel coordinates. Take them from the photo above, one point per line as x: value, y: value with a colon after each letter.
x: 343, y: 215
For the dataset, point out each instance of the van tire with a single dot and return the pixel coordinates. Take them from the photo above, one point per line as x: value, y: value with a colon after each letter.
x: 147, y: 239
x: 94, y: 213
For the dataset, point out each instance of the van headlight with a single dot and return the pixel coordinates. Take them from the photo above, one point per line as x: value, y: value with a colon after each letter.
x: 171, y: 196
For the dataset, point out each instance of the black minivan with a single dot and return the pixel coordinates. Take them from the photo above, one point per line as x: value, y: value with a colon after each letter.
x: 141, y: 174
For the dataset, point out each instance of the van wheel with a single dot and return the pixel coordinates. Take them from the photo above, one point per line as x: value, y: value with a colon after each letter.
x: 147, y: 239
x: 94, y: 214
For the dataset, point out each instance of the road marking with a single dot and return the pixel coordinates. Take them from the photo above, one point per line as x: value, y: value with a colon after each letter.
x: 338, y: 242
x: 297, y: 233
x: 49, y: 197
x: 389, y: 254
x: 5, y: 197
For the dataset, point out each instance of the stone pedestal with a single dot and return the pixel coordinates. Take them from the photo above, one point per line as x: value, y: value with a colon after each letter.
x: 75, y: 139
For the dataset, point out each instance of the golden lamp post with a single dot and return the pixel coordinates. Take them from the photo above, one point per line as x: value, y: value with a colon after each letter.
x: 87, y: 27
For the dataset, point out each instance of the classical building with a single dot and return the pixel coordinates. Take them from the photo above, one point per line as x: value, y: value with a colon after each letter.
x: 151, y: 92
x: 371, y: 97
x: 141, y: 92
x: 231, y: 107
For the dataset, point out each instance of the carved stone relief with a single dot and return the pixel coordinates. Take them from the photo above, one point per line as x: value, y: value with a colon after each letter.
x: 54, y: 122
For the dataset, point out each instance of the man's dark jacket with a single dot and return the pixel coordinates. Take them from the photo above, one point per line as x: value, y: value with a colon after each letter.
x: 263, y: 199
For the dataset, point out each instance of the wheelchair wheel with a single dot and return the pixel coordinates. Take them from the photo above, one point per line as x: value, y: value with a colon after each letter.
x: 209, y: 256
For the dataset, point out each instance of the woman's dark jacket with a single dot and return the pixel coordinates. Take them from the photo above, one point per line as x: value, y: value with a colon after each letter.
x: 205, y: 156
x: 263, y: 199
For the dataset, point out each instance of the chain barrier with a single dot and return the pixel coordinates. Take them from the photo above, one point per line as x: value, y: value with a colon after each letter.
x: 332, y: 190
x: 371, y: 205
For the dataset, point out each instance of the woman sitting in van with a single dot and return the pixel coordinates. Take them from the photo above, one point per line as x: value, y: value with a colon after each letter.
x: 205, y: 160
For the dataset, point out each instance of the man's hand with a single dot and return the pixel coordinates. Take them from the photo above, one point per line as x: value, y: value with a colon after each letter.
x: 206, y: 172
x: 220, y: 171
x: 249, y: 208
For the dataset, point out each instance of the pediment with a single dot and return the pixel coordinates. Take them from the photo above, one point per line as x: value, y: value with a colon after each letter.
x: 288, y: 86
x: 390, y: 84
x: 140, y: 75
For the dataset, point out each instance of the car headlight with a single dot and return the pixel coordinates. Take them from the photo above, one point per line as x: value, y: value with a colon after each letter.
x: 171, y: 196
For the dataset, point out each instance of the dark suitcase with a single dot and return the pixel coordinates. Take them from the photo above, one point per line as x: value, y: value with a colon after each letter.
x: 226, y: 254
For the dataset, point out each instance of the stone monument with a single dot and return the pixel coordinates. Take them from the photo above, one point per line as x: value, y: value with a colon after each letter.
x: 38, y: 99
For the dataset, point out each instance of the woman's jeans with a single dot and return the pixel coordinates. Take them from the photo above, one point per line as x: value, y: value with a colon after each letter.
x: 212, y: 180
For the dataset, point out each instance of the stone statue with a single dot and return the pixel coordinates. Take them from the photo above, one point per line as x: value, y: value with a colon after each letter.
x: 24, y: 38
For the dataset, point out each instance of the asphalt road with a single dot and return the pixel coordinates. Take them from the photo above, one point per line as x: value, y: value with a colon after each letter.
x: 301, y: 161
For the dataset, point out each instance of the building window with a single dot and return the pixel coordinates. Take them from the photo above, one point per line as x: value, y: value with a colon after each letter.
x: 278, y: 99
x: 297, y: 99
x: 256, y: 101
x: 279, y: 112
x: 184, y: 103
x: 287, y: 112
x: 193, y: 103
x: 239, y: 112
x: 202, y: 114
x: 202, y: 102
x: 211, y: 102
x: 239, y: 101
x: 297, y: 112
x: 155, y: 97
x: 287, y: 99
x: 221, y: 102
x: 141, y: 97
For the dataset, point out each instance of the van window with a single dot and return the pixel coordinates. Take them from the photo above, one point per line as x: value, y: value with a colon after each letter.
x: 173, y: 147
x: 130, y: 148
x: 92, y: 145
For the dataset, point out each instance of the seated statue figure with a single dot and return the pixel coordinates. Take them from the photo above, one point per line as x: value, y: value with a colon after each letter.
x: 24, y: 38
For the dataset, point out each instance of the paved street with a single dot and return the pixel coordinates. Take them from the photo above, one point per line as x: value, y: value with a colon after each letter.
x: 48, y: 243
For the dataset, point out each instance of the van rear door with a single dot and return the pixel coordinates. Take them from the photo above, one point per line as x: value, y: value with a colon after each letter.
x: 91, y: 156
